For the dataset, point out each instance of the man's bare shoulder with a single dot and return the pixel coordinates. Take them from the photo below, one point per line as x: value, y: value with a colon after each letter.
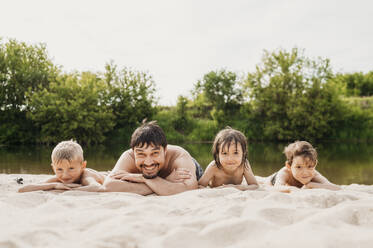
x: 174, y: 150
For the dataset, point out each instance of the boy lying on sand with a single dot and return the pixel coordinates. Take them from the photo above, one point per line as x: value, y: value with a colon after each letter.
x: 299, y: 170
x: 71, y: 173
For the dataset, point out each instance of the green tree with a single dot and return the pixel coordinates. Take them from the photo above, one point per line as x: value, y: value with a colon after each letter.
x: 291, y: 97
x: 181, y: 122
x: 220, y: 92
x: 23, y: 68
x: 75, y: 106
x: 355, y: 84
x: 132, y: 96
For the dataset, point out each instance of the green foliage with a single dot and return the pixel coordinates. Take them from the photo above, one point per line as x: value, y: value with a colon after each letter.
x: 182, y: 122
x: 291, y: 97
x: 22, y: 68
x: 357, y: 121
x: 74, y: 106
x: 218, y: 90
x: 131, y: 94
x: 355, y: 84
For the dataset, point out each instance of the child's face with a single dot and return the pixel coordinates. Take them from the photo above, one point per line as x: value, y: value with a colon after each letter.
x: 69, y: 172
x: 230, y: 158
x: 303, y: 169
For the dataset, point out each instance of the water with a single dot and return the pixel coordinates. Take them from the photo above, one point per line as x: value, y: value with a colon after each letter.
x: 341, y: 163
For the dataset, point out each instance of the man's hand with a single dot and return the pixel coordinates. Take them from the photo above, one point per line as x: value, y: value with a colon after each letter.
x: 179, y: 175
x: 119, y: 174
x: 133, y: 177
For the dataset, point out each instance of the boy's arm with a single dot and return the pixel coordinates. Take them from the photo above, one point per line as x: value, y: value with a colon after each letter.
x: 162, y: 186
x: 321, y: 182
x: 313, y: 185
x: 282, y: 178
x: 208, y: 175
x: 90, y: 182
x: 50, y: 184
x: 249, y: 176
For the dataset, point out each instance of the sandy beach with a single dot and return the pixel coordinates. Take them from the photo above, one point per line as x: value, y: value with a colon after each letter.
x: 200, y: 218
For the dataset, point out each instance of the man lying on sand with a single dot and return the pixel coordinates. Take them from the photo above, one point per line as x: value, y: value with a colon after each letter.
x: 71, y: 173
x: 152, y: 166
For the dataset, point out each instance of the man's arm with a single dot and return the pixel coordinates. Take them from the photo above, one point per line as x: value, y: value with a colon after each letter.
x: 125, y: 164
x: 162, y: 186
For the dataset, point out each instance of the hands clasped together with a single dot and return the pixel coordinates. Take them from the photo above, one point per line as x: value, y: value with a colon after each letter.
x: 176, y: 176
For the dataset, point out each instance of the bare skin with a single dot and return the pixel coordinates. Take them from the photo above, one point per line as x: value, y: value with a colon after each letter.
x: 153, y: 169
x: 70, y: 176
x: 301, y: 174
x: 232, y: 170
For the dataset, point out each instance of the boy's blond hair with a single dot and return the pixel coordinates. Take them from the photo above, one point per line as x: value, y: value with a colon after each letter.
x: 69, y: 150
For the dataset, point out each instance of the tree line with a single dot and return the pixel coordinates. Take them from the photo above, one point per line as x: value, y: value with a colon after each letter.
x: 287, y: 97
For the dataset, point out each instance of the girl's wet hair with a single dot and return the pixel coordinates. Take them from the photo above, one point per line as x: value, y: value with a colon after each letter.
x: 224, y: 139
x: 149, y: 133
x: 300, y: 148
x: 69, y: 150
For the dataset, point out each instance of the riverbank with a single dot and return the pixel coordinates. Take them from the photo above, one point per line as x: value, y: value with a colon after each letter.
x: 200, y: 218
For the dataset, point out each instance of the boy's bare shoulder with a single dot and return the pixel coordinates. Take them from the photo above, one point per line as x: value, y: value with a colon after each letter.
x: 99, y: 176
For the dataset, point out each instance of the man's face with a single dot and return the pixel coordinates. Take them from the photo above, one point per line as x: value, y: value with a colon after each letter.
x: 149, y: 159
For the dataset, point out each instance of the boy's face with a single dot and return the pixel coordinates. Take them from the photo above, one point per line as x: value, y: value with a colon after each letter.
x: 149, y: 159
x: 302, y: 169
x: 69, y: 172
x: 230, y: 158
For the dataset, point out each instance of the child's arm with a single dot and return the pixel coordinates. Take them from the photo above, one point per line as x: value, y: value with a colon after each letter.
x: 50, y: 184
x: 91, y: 181
x: 282, y: 178
x: 249, y: 177
x: 321, y: 182
x: 208, y: 175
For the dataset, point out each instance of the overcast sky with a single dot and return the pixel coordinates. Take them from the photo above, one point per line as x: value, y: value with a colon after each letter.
x: 177, y: 42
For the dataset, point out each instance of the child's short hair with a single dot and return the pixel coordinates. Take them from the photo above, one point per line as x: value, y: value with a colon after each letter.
x: 224, y: 138
x: 69, y: 150
x: 148, y: 133
x: 300, y: 148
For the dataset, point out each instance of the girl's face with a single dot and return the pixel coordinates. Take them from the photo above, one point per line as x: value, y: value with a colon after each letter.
x: 230, y: 158
x: 302, y: 169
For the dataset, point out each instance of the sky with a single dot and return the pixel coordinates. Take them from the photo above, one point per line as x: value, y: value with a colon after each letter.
x: 178, y: 41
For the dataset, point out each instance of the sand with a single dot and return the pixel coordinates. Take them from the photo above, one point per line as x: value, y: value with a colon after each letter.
x: 199, y: 218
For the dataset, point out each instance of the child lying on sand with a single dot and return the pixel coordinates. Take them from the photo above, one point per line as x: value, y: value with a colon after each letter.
x: 299, y: 169
x: 71, y: 173
x: 230, y: 162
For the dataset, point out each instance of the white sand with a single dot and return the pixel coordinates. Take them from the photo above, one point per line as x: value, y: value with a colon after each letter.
x: 200, y: 218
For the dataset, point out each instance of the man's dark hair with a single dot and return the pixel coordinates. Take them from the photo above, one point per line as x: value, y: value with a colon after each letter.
x: 148, y: 133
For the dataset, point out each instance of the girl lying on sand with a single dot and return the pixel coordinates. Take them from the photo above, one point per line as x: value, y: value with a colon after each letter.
x: 230, y: 162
